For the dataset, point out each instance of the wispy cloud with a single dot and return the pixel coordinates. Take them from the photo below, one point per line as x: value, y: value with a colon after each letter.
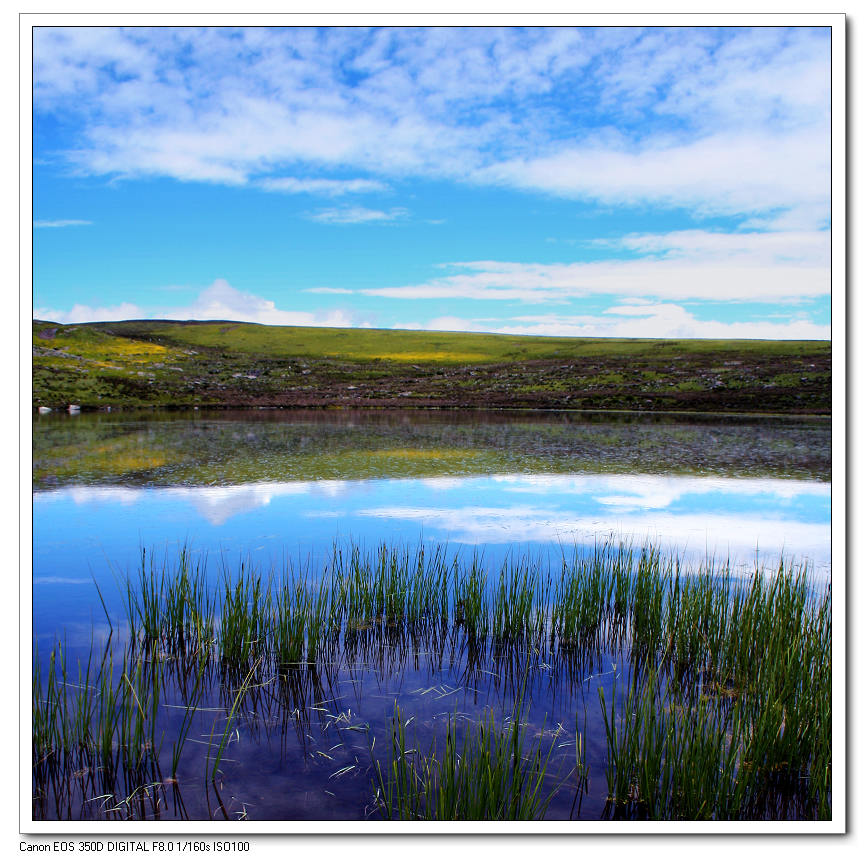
x: 664, y: 320
x: 635, y: 318
x: 356, y: 215
x: 323, y: 187
x: 335, y: 291
x: 66, y: 222
x: 808, y: 248
x: 675, y: 266
x: 656, y: 320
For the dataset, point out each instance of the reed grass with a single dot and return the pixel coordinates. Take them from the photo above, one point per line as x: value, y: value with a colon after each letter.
x: 723, y: 710
x: 169, y: 608
x: 492, y: 774
x: 741, y: 727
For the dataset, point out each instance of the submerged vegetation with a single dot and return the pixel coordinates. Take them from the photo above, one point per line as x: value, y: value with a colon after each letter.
x: 219, y: 364
x: 620, y: 683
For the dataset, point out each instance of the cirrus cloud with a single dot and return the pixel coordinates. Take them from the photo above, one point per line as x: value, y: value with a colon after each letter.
x: 63, y: 222
x: 356, y: 215
x: 324, y: 187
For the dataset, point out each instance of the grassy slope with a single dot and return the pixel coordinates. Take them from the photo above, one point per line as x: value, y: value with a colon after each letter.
x: 417, y: 346
x: 226, y: 363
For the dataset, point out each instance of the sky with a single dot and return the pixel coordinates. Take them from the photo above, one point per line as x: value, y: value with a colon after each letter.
x: 613, y: 181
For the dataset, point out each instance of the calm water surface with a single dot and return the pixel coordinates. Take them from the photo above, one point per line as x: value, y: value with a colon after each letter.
x: 278, y: 487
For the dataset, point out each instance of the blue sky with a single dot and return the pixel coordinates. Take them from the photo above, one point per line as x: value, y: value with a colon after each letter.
x: 618, y: 181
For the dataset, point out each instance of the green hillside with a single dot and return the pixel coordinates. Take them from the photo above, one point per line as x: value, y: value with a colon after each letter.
x: 223, y: 363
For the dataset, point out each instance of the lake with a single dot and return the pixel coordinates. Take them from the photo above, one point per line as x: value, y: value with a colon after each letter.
x: 269, y: 489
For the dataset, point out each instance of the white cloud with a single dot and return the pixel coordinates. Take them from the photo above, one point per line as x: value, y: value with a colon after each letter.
x: 724, y: 174
x: 727, y: 120
x: 631, y: 320
x: 85, y: 313
x: 356, y: 215
x: 444, y: 323
x: 661, y: 279
x: 68, y: 222
x: 664, y: 279
x: 335, y: 291
x: 219, y: 301
x: 324, y: 187
x: 803, y: 247
x: 681, y: 265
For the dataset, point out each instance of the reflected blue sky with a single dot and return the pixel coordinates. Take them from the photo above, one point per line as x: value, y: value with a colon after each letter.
x: 81, y: 532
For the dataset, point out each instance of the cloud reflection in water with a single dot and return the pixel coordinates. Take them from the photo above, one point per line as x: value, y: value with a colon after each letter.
x: 734, y: 516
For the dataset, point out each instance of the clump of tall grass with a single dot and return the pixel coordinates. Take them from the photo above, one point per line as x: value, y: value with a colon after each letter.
x: 170, y: 608
x: 492, y: 774
x: 98, y: 708
x: 520, y: 601
x: 740, y: 727
x: 391, y: 586
x: 242, y: 617
x: 295, y: 623
x: 668, y: 757
x: 100, y: 720
x: 470, y: 599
